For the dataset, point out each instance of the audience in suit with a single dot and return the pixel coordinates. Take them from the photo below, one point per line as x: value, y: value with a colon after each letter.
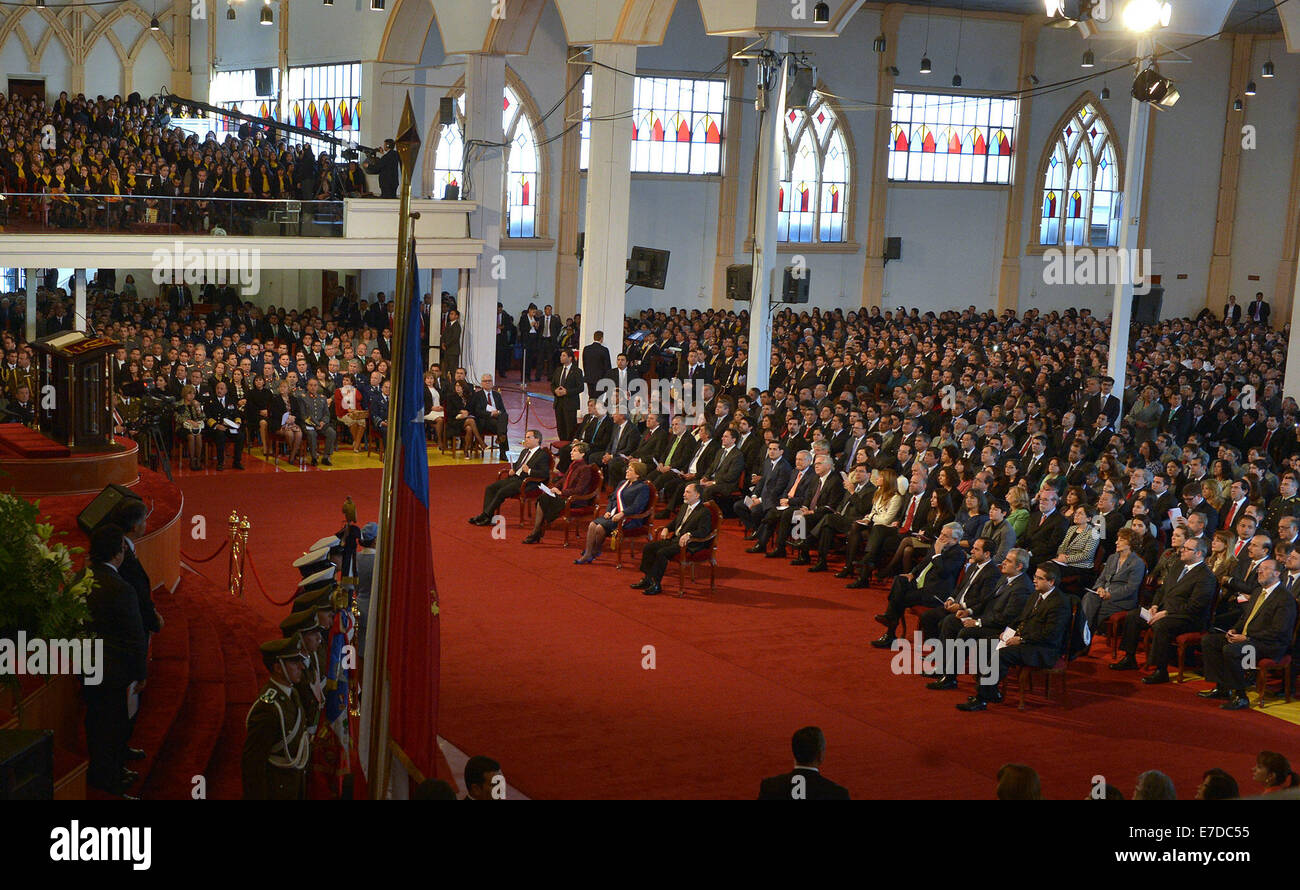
x: 805, y: 781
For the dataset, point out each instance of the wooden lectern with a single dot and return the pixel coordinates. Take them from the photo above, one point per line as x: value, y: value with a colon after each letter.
x: 74, y: 394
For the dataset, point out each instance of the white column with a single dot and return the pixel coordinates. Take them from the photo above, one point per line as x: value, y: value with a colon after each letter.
x: 609, y: 185
x: 771, y: 132
x: 485, y: 84
x: 1291, y: 378
x: 1135, y: 160
x: 33, y: 278
x: 79, y: 293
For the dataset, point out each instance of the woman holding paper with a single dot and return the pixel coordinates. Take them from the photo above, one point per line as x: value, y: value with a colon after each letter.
x: 282, y: 422
x: 1119, y: 581
x: 578, y: 488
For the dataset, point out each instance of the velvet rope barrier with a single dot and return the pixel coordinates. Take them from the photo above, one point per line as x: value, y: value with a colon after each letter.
x: 248, y: 558
x: 214, y: 555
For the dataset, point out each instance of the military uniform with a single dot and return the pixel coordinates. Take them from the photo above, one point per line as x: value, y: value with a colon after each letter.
x: 277, y: 744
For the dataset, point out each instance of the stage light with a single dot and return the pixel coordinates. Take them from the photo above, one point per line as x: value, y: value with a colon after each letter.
x: 821, y: 14
x: 1250, y: 88
x: 925, y: 65
x: 153, y: 24
x: 376, y: 5
x: 40, y: 4
x: 327, y: 2
x: 893, y: 70
x: 1268, y: 69
x: 1105, y: 93
x: 956, y: 80
x: 878, y: 45
x: 1152, y: 86
x: 267, y: 18
x: 1089, y: 60
x: 1144, y: 15
x: 1237, y: 105
x: 230, y: 13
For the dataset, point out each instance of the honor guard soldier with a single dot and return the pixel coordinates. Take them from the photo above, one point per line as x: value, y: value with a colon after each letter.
x: 312, y: 687
x: 277, y: 746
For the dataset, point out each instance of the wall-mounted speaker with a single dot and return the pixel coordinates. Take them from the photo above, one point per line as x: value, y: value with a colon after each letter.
x: 582, y: 246
x: 648, y: 267
x: 740, y: 282
x: 263, y: 82
x: 893, y: 249
x: 446, y: 111
x: 794, y: 289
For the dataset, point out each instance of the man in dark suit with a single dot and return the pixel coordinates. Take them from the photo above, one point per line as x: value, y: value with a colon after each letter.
x: 224, y: 420
x: 723, y: 477
x: 1265, y: 627
x: 612, y: 459
x: 978, y: 579
x: 595, y: 362
x: 1039, y: 639
x: 985, y: 618
x: 678, y: 452
x: 1258, y: 310
x: 1232, y: 309
x: 929, y: 585
x: 551, y: 325
x: 1177, y: 421
x: 449, y: 342
x: 796, y: 494
x: 566, y: 386
x: 1046, y: 529
x: 914, y: 514
x: 805, y: 781
x: 532, y: 468
x: 827, y: 493
x: 387, y: 168
x: 855, y: 503
x: 651, y: 446
x: 690, y: 531
x: 768, y: 487
x: 702, y: 455
x: 1181, y: 605
x: 489, y: 411
x: 115, y: 619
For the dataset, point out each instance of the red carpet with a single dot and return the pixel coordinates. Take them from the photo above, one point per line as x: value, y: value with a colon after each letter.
x: 542, y: 669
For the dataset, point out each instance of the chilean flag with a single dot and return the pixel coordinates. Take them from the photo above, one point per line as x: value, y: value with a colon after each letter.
x: 413, y: 630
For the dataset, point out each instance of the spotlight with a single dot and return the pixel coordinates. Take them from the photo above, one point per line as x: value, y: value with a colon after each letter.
x: 1250, y: 88
x: 1089, y: 60
x: 878, y: 45
x: 266, y: 17
x: 956, y: 80
x: 1152, y: 86
x: 1237, y: 105
x: 1144, y: 15
x: 821, y: 14
x: 153, y: 24
x: 893, y: 70
x: 925, y: 65
x: 1268, y: 69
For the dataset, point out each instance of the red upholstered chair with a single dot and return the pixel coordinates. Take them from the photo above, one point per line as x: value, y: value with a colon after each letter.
x: 1184, y: 643
x: 708, y: 556
x: 1060, y: 669
x: 580, y: 512
x: 626, y: 537
x: 1113, y: 629
x: 528, y: 496
x: 1266, y: 667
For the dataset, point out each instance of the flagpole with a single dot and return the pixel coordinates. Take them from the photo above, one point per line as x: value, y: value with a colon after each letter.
x: 408, y: 145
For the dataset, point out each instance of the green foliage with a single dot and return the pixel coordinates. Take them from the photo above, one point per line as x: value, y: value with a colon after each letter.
x: 40, y: 593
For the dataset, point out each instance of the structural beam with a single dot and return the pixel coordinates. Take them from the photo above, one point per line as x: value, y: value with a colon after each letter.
x: 771, y: 132
x: 873, y: 273
x: 1012, y: 236
x: 1219, y: 281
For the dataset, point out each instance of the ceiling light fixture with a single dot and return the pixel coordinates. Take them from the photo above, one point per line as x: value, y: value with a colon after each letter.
x: 266, y: 17
x: 821, y: 14
x: 1089, y: 60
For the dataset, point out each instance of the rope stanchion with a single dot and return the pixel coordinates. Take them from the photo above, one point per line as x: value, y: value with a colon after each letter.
x: 248, y: 556
x: 214, y: 555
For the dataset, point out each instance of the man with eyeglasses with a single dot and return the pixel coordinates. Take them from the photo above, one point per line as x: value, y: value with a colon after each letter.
x: 1182, y: 605
x: 1037, y: 639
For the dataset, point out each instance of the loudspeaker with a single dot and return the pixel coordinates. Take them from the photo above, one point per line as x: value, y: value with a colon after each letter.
x: 1146, y: 307
x: 98, y: 510
x: 893, y: 248
x: 446, y: 111
x: 740, y: 282
x: 799, y: 88
x: 582, y: 246
x: 262, y: 82
x: 648, y: 268
x: 27, y: 764
x: 451, y: 193
x: 795, y: 289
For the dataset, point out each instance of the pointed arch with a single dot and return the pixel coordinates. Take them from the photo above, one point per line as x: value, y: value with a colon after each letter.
x: 527, y: 159
x: 1082, y: 155
x: 817, y: 169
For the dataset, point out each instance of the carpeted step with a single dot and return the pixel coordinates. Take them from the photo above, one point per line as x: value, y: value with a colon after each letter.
x: 244, y: 678
x: 169, y: 678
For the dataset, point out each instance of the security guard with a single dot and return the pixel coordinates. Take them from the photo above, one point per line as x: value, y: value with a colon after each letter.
x: 277, y: 746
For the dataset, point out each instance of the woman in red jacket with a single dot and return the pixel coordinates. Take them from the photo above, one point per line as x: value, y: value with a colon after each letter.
x: 578, y: 488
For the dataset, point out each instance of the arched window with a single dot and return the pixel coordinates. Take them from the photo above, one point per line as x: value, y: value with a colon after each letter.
x: 1080, y: 175
x: 813, y: 196
x: 523, y: 208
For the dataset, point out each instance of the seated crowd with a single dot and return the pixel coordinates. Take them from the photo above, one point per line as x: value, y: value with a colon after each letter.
x: 113, y: 163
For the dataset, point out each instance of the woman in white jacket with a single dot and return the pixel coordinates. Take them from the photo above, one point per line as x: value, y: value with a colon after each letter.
x: 884, y: 510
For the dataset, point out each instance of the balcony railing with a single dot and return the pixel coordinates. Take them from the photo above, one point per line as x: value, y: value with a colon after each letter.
x: 26, y: 212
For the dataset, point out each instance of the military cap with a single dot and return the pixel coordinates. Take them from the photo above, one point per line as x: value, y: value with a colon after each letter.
x: 321, y: 598
x: 285, y: 649
x: 327, y: 542
x: 312, y: 563
x: 300, y: 623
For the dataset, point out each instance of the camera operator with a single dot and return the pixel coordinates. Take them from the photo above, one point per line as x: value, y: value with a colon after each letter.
x: 387, y: 168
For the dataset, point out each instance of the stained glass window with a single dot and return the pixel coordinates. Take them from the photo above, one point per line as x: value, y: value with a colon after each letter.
x: 812, y: 197
x: 1081, y: 187
x: 938, y: 137
x: 677, y: 125
x: 237, y: 90
x: 325, y: 98
x: 522, y: 162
